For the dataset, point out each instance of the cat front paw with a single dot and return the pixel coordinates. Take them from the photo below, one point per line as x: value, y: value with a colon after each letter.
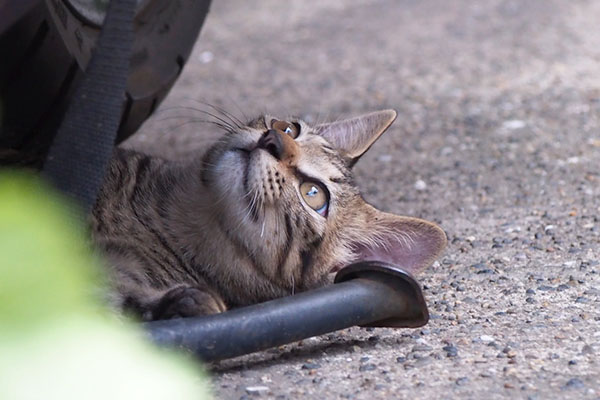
x: 187, y: 301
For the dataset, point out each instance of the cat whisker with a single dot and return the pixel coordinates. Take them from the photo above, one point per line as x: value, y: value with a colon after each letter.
x: 225, y: 128
x: 249, y: 208
x: 225, y: 113
x: 221, y: 125
x: 256, y: 206
x: 237, y: 106
x: 293, y: 284
x: 230, y: 122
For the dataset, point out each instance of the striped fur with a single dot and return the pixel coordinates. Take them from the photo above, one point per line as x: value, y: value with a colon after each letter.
x: 231, y: 228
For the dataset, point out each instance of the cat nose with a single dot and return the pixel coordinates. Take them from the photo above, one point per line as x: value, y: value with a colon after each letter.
x: 281, y: 146
x: 272, y: 141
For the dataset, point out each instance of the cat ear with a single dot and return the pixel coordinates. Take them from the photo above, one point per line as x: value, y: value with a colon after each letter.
x: 409, y: 243
x: 354, y: 136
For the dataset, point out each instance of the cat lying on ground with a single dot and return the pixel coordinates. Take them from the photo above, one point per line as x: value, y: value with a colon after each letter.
x: 269, y: 210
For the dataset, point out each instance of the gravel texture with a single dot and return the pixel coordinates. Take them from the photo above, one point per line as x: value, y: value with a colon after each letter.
x: 497, y: 140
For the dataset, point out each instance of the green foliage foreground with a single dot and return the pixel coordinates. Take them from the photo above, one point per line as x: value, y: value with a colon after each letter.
x: 56, y: 339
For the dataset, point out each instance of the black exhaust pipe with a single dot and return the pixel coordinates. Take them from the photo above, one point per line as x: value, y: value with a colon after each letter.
x: 366, y: 294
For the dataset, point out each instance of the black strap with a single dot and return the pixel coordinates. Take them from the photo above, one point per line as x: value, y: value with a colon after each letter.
x: 84, y: 143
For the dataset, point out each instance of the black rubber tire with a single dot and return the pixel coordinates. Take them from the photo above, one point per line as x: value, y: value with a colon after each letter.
x: 41, y: 66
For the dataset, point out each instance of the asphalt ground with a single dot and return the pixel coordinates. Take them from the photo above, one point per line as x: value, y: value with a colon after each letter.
x: 497, y: 140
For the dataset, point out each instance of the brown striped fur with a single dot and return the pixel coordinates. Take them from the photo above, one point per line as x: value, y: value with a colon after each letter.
x: 231, y: 228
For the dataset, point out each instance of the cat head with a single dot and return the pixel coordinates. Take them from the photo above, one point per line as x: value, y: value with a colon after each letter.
x: 286, y: 192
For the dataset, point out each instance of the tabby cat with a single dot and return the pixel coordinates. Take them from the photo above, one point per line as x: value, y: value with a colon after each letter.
x: 269, y: 210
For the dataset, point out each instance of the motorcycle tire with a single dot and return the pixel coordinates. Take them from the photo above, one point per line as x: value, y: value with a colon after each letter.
x: 45, y: 53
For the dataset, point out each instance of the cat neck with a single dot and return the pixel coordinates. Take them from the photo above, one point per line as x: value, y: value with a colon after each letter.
x: 192, y: 204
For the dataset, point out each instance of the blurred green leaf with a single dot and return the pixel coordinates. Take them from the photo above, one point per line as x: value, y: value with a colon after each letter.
x: 46, y: 268
x: 57, y: 341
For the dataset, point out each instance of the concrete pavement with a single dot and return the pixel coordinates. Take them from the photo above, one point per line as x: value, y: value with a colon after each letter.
x: 497, y: 140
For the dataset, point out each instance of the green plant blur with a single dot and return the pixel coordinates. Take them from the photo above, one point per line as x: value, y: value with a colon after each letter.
x: 57, y: 339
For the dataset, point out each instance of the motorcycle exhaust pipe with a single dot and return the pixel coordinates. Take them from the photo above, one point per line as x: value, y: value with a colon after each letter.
x: 365, y: 294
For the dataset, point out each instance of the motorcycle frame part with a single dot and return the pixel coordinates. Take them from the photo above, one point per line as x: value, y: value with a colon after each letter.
x: 366, y: 294
x: 44, y: 54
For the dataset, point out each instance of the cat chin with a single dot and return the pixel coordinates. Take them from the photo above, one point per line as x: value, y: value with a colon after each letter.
x: 229, y: 171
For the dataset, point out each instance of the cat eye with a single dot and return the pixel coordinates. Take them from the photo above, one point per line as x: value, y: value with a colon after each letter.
x: 291, y: 129
x: 316, y: 196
